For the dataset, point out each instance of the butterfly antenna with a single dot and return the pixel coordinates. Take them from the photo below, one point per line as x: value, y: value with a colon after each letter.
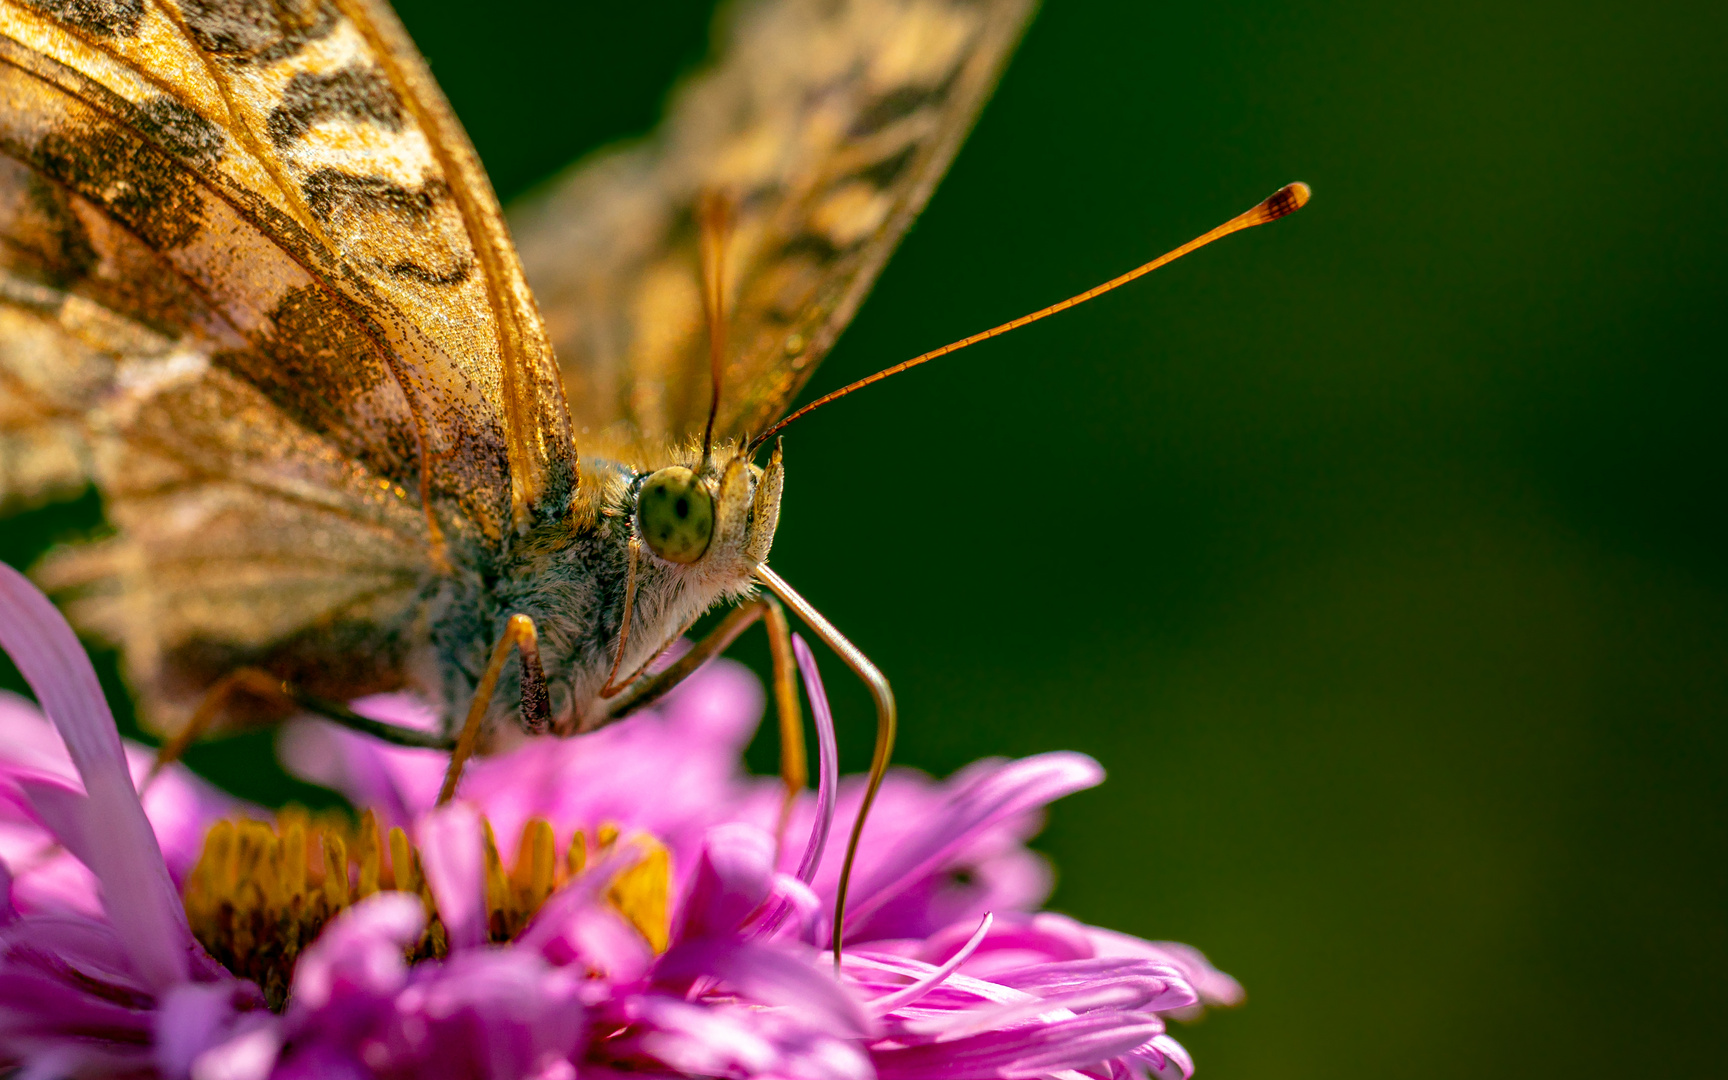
x: 714, y: 219
x: 1285, y: 201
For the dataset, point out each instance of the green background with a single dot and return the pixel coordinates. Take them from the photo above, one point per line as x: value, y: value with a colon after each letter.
x: 1379, y: 555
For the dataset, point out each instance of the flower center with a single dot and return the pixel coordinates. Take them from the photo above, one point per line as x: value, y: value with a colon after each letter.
x: 261, y: 893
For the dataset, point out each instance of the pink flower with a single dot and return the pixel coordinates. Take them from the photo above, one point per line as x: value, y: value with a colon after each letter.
x: 677, y: 935
x: 82, y: 995
x: 179, y: 805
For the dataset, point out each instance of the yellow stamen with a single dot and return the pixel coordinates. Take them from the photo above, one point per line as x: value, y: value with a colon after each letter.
x: 577, y: 857
x: 335, y: 873
x: 294, y: 859
x: 640, y: 895
x: 532, y: 880
x: 367, y: 855
x: 500, y: 917
x: 260, y: 894
x: 405, y: 871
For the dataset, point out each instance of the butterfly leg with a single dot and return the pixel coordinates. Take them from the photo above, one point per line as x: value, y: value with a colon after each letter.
x: 794, y: 762
x: 395, y: 734
x: 887, y: 723
x: 246, y: 680
x: 260, y: 683
x: 520, y: 635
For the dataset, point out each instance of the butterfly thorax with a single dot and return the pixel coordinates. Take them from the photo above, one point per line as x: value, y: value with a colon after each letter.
x: 574, y: 577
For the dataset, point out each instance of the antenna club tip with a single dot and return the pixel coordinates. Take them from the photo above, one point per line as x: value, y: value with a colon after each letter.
x: 1283, y: 202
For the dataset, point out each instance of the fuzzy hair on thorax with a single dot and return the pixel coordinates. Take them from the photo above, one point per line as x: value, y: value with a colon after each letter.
x: 572, y: 577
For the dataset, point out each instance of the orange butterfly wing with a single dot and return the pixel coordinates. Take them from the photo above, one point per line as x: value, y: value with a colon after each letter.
x: 254, y: 284
x: 828, y: 125
x: 295, y: 169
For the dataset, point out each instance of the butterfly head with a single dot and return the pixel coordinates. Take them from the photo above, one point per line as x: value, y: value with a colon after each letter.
x: 716, y: 515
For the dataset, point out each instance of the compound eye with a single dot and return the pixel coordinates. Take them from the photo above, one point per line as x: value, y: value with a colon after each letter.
x: 675, y: 514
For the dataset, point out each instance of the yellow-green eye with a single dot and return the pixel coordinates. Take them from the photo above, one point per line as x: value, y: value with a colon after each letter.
x: 675, y: 514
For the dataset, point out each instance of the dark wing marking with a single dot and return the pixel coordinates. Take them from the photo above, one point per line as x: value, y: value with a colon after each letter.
x: 829, y: 124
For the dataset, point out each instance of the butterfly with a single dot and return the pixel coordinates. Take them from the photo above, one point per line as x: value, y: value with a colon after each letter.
x: 255, y: 287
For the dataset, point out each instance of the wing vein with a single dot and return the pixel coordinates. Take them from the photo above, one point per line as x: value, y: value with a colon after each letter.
x: 238, y: 125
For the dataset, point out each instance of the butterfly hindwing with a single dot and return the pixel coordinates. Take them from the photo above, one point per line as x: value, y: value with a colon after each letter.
x: 827, y: 124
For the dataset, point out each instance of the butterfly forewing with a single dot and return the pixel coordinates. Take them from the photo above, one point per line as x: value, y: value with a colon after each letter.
x: 290, y: 164
x: 827, y: 124
x: 253, y: 282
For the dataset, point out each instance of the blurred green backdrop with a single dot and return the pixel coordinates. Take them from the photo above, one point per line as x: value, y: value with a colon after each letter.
x: 1379, y: 555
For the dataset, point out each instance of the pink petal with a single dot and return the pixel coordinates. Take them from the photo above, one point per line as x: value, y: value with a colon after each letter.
x: 899, y: 999
x: 1215, y: 987
x: 453, y: 853
x: 28, y: 741
x: 195, y: 1019
x: 1113, y: 997
x: 180, y: 806
x: 991, y: 797
x: 1161, y: 988
x: 767, y: 975
x: 321, y: 1062
x: 792, y: 897
x: 120, y: 846
x: 703, y: 1042
x: 1016, y: 941
x: 359, y: 953
x: 46, y: 877
x: 592, y: 937
x: 732, y: 879
x: 827, y: 761
x: 249, y: 1054
x: 1173, y: 1053
x: 1025, y: 1051
x: 494, y: 1013
x: 397, y: 782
